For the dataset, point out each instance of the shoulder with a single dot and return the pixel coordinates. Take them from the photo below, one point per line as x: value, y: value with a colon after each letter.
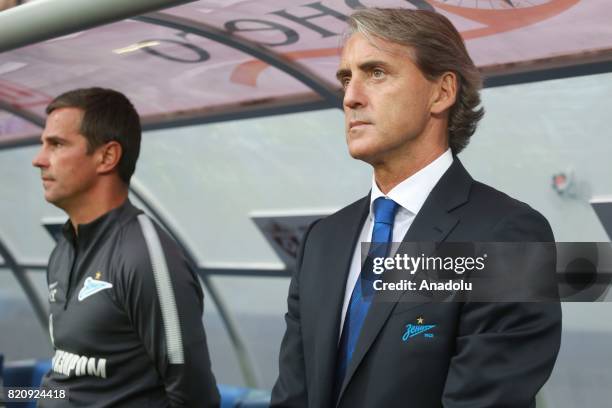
x: 504, y: 217
x: 142, y: 243
x: 59, y: 255
x: 60, y: 248
x: 349, y: 215
x: 146, y: 255
x: 142, y: 250
x: 327, y: 232
x: 497, y: 203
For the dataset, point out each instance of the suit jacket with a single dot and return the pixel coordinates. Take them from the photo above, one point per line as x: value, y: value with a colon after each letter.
x: 483, y: 354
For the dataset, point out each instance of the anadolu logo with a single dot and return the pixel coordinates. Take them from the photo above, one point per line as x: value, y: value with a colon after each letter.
x: 413, y: 330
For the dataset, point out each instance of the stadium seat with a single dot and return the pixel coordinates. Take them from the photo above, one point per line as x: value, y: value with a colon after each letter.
x: 25, y: 373
x: 240, y: 397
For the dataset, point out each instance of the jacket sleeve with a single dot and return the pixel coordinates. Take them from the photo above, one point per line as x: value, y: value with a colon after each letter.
x: 164, y: 302
x: 506, y: 351
x: 290, y: 388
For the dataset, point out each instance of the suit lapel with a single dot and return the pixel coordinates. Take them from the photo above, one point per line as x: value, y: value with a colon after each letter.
x: 331, y: 298
x: 433, y: 223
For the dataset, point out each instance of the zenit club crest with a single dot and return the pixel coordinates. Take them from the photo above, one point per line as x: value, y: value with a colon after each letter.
x: 91, y: 287
x: 413, y: 330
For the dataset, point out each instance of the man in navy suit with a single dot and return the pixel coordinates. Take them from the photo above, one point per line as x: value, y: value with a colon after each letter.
x: 411, y: 103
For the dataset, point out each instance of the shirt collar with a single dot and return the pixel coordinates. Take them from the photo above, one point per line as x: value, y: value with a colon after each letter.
x: 88, y: 232
x: 412, y: 192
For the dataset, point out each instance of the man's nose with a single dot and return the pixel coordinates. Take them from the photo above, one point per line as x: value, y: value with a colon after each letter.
x: 354, y: 94
x: 40, y: 160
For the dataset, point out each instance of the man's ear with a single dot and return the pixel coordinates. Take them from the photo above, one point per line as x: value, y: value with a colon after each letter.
x: 446, y: 92
x: 109, y: 155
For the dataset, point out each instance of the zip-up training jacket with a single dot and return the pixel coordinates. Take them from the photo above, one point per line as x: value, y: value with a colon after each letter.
x: 126, y: 318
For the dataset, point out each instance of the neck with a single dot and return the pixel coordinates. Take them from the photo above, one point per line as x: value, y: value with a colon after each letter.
x: 390, y: 173
x: 416, y: 153
x: 96, y: 205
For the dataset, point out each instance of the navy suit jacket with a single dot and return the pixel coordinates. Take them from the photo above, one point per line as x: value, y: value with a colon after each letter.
x: 483, y: 354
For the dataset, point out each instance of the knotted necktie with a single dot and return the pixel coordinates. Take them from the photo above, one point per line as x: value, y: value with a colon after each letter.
x: 363, y: 292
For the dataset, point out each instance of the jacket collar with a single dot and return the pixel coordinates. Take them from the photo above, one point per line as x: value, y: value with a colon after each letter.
x: 88, y: 233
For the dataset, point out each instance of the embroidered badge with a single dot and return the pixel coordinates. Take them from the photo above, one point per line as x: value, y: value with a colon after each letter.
x: 413, y: 330
x: 91, y: 287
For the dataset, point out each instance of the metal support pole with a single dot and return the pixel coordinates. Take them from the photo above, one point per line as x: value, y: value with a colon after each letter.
x: 24, y: 280
x: 24, y: 114
x: 45, y: 19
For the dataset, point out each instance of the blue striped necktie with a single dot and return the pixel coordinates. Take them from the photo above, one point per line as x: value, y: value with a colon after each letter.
x: 363, y: 292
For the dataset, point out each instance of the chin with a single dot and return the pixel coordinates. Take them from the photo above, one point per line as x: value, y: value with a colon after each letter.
x: 362, y: 151
x: 362, y: 154
x: 51, y: 199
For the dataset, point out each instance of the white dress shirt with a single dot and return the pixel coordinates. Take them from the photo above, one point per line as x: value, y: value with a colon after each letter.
x: 410, y: 194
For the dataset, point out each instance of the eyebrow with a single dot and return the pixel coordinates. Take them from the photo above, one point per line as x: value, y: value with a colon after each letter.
x: 364, y: 66
x: 52, y: 138
x: 341, y: 73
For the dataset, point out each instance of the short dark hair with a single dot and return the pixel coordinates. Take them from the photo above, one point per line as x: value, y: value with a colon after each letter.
x: 107, y: 115
x: 438, y: 48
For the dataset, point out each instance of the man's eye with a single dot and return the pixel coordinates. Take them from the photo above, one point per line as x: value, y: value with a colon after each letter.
x: 345, y: 81
x: 378, y: 73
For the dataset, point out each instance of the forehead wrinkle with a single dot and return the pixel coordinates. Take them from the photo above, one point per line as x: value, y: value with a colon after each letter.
x: 385, y: 46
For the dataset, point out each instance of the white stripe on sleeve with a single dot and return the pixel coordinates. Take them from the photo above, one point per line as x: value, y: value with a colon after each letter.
x: 165, y: 292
